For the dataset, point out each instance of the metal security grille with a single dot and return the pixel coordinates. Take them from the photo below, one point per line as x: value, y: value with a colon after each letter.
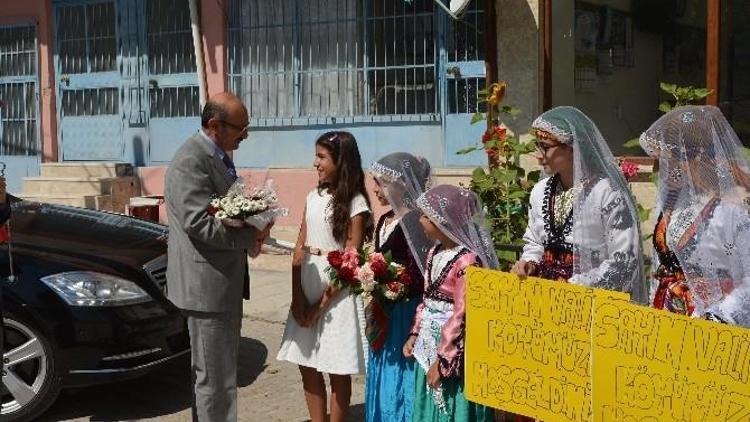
x: 86, y: 38
x: 90, y: 102
x: 170, y: 38
x: 327, y: 61
x: 175, y: 102
x: 19, y: 133
x: 466, y: 55
x: 173, y: 90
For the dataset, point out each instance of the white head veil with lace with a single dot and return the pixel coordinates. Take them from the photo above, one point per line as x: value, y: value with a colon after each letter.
x: 704, y: 179
x: 595, y: 169
x: 403, y: 178
x: 458, y: 213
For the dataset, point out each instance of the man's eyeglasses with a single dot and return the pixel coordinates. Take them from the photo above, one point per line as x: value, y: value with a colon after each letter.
x: 235, y: 127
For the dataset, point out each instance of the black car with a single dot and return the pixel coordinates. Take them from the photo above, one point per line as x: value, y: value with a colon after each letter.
x: 84, y: 303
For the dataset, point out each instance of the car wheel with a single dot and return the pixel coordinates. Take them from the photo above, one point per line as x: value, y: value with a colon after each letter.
x: 30, y: 378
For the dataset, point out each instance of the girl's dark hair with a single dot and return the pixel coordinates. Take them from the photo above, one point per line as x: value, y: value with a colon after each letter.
x: 350, y: 179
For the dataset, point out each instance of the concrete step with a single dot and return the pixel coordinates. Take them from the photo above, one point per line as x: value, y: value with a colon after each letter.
x: 87, y: 201
x: 86, y: 169
x: 67, y: 185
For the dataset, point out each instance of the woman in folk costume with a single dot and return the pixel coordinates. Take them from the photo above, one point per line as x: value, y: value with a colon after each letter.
x: 701, y: 238
x: 453, y: 217
x: 583, y: 222
x: 400, y: 179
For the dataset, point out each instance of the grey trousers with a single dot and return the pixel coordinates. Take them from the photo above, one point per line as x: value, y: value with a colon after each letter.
x: 214, y: 344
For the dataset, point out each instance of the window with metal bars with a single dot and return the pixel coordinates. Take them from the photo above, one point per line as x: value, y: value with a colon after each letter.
x: 87, y: 39
x: 312, y: 61
x: 18, y: 100
x: 90, y: 102
x: 170, y: 38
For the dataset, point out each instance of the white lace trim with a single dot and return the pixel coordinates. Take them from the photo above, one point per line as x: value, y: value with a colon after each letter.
x: 387, y: 229
x: 562, y: 135
x: 424, y: 204
x: 380, y: 171
x: 434, y: 316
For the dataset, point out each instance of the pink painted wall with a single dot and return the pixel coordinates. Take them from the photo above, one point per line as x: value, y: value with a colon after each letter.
x: 292, y: 186
x: 40, y: 12
x: 213, y: 25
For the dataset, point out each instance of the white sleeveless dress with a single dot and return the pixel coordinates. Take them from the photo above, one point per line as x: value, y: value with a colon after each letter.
x: 335, y: 344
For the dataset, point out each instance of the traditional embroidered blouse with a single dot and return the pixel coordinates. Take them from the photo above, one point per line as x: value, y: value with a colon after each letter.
x: 448, y: 286
x: 609, y: 229
x: 699, y: 269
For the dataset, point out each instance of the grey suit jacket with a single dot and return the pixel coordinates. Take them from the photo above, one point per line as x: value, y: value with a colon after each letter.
x: 207, y: 261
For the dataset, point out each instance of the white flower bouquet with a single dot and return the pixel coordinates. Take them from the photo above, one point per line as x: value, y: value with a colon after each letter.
x: 236, y: 208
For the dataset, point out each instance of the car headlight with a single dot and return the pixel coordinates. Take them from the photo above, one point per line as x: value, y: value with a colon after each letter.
x: 88, y: 288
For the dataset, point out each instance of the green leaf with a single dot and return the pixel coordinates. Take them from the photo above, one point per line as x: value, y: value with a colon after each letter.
x: 511, y: 111
x: 668, y: 88
x: 633, y: 143
x: 478, y: 173
x: 467, y: 150
x: 477, y: 117
x: 534, y: 176
x: 643, y: 213
x: 701, y: 93
x: 517, y: 194
x: 665, y: 107
x: 506, y: 176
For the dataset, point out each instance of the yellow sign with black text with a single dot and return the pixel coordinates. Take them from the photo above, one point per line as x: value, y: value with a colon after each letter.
x: 528, y: 345
x: 561, y: 352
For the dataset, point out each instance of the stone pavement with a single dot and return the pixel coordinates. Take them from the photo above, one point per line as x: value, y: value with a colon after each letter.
x: 269, y: 390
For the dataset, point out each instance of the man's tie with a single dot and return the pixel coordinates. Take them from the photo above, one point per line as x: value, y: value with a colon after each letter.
x: 231, y: 170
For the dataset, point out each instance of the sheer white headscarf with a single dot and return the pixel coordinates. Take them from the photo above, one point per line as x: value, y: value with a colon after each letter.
x: 403, y: 178
x: 595, y: 170
x: 704, y: 182
x: 458, y: 213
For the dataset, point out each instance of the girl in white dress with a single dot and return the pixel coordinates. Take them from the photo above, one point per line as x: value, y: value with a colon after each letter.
x: 324, y: 330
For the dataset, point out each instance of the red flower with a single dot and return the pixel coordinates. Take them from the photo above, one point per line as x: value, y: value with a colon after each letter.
x: 212, y: 210
x: 486, y: 137
x: 346, y: 274
x: 380, y: 268
x: 335, y: 259
x: 394, y: 286
x: 404, y: 278
x: 500, y: 132
x: 629, y: 170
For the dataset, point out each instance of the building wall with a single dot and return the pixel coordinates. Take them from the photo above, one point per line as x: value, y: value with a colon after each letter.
x: 40, y: 12
x: 518, y: 57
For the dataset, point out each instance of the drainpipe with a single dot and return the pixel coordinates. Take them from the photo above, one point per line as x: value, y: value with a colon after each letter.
x: 200, y: 64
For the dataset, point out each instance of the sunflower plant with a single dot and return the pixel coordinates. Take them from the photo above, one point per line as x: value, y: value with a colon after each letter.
x: 503, y: 185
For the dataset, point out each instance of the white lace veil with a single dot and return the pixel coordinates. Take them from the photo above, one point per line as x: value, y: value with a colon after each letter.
x: 704, y: 179
x: 458, y: 213
x: 403, y: 178
x: 607, y: 255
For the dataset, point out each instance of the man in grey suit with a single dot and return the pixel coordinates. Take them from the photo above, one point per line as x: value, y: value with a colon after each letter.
x: 208, y: 260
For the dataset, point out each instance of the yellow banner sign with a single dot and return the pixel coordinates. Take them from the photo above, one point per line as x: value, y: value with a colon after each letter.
x: 528, y: 344
x: 651, y: 365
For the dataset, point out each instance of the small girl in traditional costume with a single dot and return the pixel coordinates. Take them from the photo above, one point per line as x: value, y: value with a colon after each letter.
x: 453, y: 217
x: 400, y: 179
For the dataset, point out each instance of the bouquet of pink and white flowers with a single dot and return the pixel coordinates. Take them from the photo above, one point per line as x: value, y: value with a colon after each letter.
x: 257, y: 209
x: 369, y: 274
